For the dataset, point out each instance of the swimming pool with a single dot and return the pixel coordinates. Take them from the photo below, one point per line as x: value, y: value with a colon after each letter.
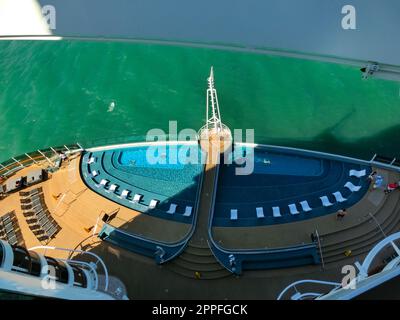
x: 266, y: 162
x: 169, y: 175
x: 280, y: 164
x: 280, y: 179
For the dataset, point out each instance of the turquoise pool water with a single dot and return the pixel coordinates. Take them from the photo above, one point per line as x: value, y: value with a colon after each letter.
x: 173, y: 181
x: 280, y: 164
x: 161, y: 157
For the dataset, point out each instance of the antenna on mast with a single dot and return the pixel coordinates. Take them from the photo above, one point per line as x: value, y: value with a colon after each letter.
x: 214, y: 128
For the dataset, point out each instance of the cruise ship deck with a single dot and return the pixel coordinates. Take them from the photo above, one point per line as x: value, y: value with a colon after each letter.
x: 78, y: 209
x: 200, y: 218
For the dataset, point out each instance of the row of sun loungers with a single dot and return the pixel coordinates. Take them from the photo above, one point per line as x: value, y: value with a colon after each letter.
x: 138, y: 197
x: 9, y: 229
x: 173, y: 206
x: 28, y: 194
x: 37, y: 215
x: 276, y: 212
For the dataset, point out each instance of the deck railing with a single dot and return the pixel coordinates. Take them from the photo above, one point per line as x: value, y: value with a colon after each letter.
x: 237, y: 260
x: 364, y: 281
x: 320, y: 248
x: 17, y: 163
x: 387, y: 161
x: 109, y: 141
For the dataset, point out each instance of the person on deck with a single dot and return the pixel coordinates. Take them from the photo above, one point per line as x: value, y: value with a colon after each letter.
x: 391, y: 186
x: 341, y: 214
x: 378, y: 182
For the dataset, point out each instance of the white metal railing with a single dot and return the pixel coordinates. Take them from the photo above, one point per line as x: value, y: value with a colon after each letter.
x: 99, y: 260
x: 391, y: 163
x: 362, y: 279
x: 320, y: 249
x: 298, y: 295
x: 14, y: 164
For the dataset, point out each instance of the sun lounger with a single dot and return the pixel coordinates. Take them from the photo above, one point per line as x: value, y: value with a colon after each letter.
x: 112, y: 188
x: 51, y: 231
x: 325, y: 201
x: 188, y: 211
x: 234, y: 214
x: 104, y: 182
x: 260, y: 212
x: 293, y: 209
x: 136, y: 198
x: 172, y: 208
x: 91, y: 160
x: 13, y: 240
x: 352, y: 187
x: 153, y: 203
x: 356, y: 173
x: 276, y: 212
x: 305, y: 206
x: 124, y: 194
x: 339, y: 197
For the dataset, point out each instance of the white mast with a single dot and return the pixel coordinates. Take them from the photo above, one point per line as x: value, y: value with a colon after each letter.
x: 214, y: 125
x: 213, y: 122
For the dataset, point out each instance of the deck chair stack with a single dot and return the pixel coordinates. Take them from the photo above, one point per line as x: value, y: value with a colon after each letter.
x: 37, y: 215
x: 10, y: 230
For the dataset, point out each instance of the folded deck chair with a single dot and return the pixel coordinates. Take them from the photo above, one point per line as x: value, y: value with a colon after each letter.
x: 305, y: 206
x: 172, y: 208
x: 276, y: 212
x: 293, y: 209
x: 234, y: 214
x: 112, y: 188
x: 356, y: 173
x: 153, y: 203
x: 91, y: 160
x: 124, y: 194
x: 94, y: 173
x: 339, y: 197
x: 352, y: 187
x: 325, y: 201
x: 188, y: 211
x: 136, y: 198
x: 260, y: 212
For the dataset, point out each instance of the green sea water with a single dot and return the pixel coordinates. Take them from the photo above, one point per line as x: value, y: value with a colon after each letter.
x: 58, y: 92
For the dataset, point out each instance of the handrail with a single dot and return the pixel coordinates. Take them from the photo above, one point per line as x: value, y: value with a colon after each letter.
x: 293, y: 285
x: 363, y: 275
x: 78, y: 251
x: 182, y: 243
x: 88, y: 265
x: 132, y: 140
x: 326, y: 155
x: 17, y: 163
x: 320, y: 249
x: 378, y: 247
x: 246, y: 252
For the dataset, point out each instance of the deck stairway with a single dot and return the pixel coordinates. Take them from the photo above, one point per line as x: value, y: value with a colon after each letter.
x: 197, y: 261
x: 362, y: 237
